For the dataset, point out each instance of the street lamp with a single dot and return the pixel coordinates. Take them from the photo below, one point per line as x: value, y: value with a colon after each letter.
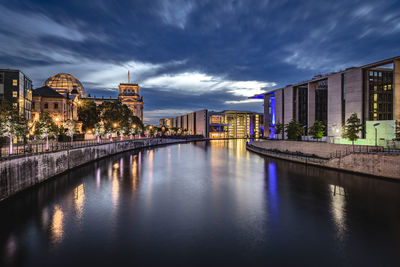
x: 376, y: 133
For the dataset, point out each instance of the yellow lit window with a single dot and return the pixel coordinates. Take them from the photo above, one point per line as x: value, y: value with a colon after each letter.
x: 15, y: 82
x: 375, y: 106
x: 375, y: 115
x: 375, y: 97
x: 15, y: 93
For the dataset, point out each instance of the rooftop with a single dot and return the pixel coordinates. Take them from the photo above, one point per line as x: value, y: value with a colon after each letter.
x: 46, y: 91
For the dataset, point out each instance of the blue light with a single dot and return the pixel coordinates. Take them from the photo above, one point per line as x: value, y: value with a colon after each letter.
x: 272, y: 105
x: 272, y: 116
x: 273, y: 189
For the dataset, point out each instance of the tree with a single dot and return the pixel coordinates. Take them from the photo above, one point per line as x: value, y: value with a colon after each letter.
x: 70, y: 129
x: 317, y: 131
x: 352, y: 128
x: 117, y: 117
x: 88, y: 114
x: 98, y: 131
x: 294, y: 129
x: 280, y: 129
x: 12, y: 123
x: 45, y: 127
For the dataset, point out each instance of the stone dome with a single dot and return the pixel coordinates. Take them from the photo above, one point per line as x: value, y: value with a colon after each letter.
x: 64, y: 83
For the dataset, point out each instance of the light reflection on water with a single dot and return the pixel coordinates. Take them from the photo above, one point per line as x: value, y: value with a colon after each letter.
x: 199, y: 203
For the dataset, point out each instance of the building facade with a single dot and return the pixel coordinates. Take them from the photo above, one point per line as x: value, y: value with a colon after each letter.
x: 371, y: 91
x: 16, y: 88
x: 129, y: 95
x: 60, y: 107
x: 218, y: 125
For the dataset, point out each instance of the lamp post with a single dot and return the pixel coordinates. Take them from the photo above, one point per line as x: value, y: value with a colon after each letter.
x: 376, y: 133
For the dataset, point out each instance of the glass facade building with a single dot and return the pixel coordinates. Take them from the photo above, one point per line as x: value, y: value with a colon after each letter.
x: 64, y: 83
x: 380, y: 83
x: 16, y: 88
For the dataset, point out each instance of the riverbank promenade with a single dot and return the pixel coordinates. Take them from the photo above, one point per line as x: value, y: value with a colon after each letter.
x: 370, y: 160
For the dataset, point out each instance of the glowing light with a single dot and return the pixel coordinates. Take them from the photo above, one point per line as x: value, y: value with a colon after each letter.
x: 57, y: 224
x: 79, y: 199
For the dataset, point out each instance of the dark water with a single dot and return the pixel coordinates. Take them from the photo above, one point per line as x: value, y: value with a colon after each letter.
x: 202, y: 204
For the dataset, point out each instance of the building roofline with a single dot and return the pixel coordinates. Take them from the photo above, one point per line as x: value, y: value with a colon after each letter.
x: 326, y: 76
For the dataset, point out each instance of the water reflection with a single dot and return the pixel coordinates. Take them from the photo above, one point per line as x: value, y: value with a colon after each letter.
x: 79, y: 200
x: 338, y: 208
x: 273, y: 189
x: 57, y: 225
x: 202, y: 201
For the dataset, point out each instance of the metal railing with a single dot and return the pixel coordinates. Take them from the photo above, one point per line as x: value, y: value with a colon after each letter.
x: 356, y: 149
x: 288, y: 154
x: 36, y: 147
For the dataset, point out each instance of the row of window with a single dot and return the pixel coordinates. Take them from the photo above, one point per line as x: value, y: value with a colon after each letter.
x: 381, y: 107
x: 46, y: 105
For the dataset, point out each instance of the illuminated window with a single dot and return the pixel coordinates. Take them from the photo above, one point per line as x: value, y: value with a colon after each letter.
x: 15, y: 82
x: 15, y: 94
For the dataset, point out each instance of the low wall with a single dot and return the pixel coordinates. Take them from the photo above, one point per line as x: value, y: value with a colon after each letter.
x: 20, y: 173
x: 377, y: 164
x: 320, y: 149
x: 373, y: 164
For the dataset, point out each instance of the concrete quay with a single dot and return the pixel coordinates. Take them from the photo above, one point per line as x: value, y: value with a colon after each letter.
x: 340, y: 157
x: 17, y: 174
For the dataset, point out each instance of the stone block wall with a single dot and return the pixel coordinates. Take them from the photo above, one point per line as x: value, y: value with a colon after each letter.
x: 20, y: 173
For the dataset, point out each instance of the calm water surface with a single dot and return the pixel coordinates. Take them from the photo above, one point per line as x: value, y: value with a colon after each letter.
x: 202, y: 204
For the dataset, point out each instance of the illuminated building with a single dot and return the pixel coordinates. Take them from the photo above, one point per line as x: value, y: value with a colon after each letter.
x: 234, y: 124
x: 61, y: 108
x: 64, y: 83
x: 371, y: 91
x: 218, y: 125
x: 16, y: 88
x: 129, y: 95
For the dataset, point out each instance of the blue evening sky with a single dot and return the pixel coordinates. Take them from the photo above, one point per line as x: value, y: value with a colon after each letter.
x: 189, y: 55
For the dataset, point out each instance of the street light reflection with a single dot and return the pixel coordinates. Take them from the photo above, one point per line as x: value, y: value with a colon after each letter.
x: 57, y: 225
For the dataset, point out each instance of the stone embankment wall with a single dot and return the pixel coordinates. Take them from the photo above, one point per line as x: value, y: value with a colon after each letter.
x: 377, y: 164
x: 320, y: 149
x: 382, y: 165
x: 20, y: 173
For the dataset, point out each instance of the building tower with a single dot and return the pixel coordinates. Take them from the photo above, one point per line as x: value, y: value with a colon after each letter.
x: 129, y: 95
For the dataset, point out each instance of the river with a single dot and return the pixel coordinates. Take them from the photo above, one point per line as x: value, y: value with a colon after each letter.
x: 203, y: 203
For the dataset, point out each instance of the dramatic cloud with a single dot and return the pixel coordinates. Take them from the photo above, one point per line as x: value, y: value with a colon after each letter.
x: 188, y: 55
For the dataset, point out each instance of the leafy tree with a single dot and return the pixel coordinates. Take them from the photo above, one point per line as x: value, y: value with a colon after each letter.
x: 280, y: 129
x: 45, y: 127
x: 70, y: 128
x: 352, y: 128
x: 98, y: 131
x: 118, y: 118
x: 12, y: 123
x: 317, y: 131
x: 294, y: 129
x: 88, y: 114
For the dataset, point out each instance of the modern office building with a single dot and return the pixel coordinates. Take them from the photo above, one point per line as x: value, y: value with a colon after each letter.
x: 61, y: 108
x: 64, y: 83
x: 371, y: 91
x: 16, y: 88
x: 216, y: 125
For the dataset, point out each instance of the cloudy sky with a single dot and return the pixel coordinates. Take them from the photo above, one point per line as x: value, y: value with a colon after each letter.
x: 189, y: 55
